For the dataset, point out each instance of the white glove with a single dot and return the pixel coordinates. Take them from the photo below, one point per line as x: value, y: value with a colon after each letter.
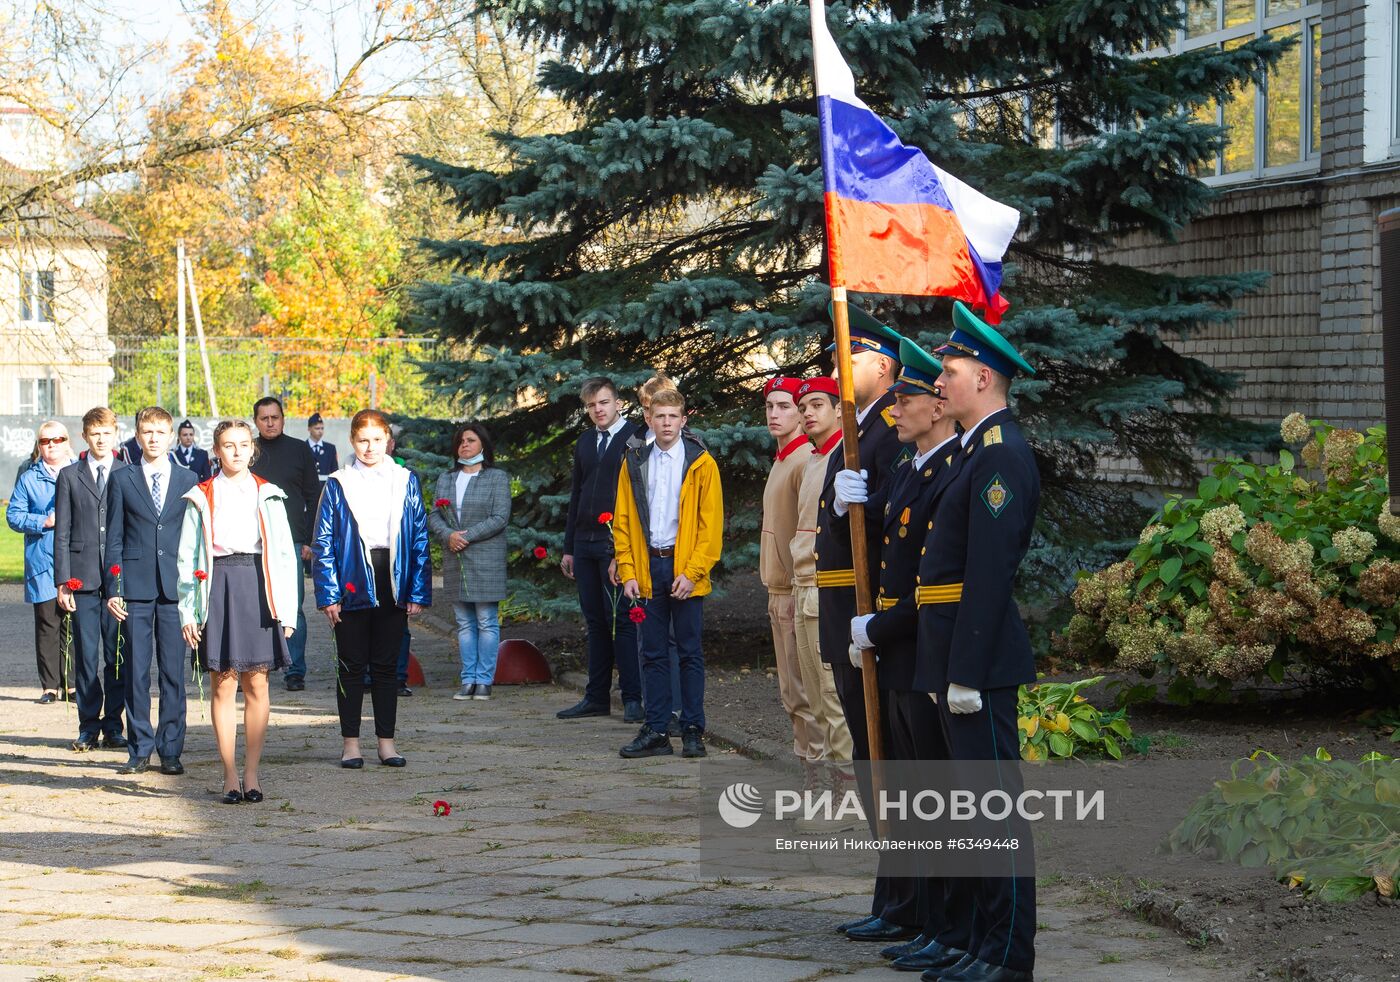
x: 963, y: 700
x: 853, y: 653
x: 850, y: 490
x: 858, y: 635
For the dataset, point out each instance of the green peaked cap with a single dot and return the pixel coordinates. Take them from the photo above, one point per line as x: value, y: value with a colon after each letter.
x: 867, y: 332
x: 918, y: 372
x: 975, y: 339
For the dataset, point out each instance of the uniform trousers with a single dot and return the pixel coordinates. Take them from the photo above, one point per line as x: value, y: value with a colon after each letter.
x: 830, y: 739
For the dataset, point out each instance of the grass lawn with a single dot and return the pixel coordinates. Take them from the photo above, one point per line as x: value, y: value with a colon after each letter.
x: 11, y: 555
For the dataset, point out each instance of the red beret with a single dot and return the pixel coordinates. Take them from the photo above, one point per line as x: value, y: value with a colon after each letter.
x: 781, y: 383
x: 819, y: 383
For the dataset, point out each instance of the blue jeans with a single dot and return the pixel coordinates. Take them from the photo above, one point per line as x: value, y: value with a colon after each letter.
x: 478, y: 641
x: 296, y: 644
x: 684, y: 619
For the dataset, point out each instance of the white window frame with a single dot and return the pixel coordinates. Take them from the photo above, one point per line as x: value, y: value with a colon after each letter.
x: 31, y: 297
x: 1304, y: 17
x: 32, y: 407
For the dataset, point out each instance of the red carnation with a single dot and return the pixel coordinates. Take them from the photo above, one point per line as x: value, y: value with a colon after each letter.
x: 74, y: 584
x: 442, y: 503
x: 541, y: 552
x: 637, y: 614
x: 349, y: 588
x: 605, y: 518
x: 115, y: 570
x: 441, y: 808
x: 200, y: 575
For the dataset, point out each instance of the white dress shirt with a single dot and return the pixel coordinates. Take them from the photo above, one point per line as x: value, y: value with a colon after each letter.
x: 924, y: 458
x: 161, y: 467
x: 236, y: 515
x: 611, y: 431
x: 665, y: 469
x: 368, y: 491
x: 967, y: 435
x: 93, y: 463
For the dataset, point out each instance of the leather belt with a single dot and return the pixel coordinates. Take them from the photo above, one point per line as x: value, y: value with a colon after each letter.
x: 885, y: 603
x: 836, y: 577
x: 666, y: 552
x: 943, y: 593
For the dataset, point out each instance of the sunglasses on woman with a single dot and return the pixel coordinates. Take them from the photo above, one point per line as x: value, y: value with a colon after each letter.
x: 44, y: 441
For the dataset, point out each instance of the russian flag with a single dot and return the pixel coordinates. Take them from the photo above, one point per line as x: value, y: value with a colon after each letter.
x: 895, y: 222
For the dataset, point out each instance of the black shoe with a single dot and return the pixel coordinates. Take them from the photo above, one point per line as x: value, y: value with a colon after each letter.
x: 582, y: 709
x: 648, y: 743
x: 352, y: 763
x: 47, y: 698
x: 136, y: 765
x: 858, y: 922
x: 393, y: 761
x: 937, y: 974
x: 405, y: 690
x: 632, y: 712
x: 482, y: 692
x: 112, y: 741
x: 980, y: 971
x: 253, y: 795
x: 907, y: 948
x: 171, y: 765
x: 931, y: 956
x: 83, y: 744
x: 881, y: 930
x: 232, y: 797
x: 295, y: 683
x: 692, y: 745
x: 673, y: 725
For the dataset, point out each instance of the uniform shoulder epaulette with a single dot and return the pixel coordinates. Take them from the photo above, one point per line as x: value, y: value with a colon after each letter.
x: 992, y: 436
x: 885, y: 415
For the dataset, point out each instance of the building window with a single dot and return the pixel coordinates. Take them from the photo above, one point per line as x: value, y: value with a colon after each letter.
x: 37, y: 397
x: 36, y: 296
x: 1275, y: 128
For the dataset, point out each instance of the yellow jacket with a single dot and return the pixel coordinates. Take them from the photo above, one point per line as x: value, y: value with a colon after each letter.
x: 699, y: 537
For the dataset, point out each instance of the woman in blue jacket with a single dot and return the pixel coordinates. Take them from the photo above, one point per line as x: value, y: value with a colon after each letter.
x: 31, y: 511
x: 372, y: 572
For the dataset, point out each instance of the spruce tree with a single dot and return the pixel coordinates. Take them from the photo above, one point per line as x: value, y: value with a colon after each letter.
x: 678, y: 225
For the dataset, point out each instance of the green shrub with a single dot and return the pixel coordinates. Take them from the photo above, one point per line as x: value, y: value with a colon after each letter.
x: 1265, y: 569
x: 1055, y: 721
x: 1329, y: 827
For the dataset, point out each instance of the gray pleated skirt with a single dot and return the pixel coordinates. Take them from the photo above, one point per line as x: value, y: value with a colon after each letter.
x: 240, y: 635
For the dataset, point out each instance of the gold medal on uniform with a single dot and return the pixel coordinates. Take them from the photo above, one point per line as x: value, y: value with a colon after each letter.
x: 904, y: 523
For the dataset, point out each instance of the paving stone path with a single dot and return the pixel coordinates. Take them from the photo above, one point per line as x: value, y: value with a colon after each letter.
x: 558, y: 858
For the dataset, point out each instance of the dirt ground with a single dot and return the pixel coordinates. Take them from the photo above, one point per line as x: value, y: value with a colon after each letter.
x: 1254, y: 921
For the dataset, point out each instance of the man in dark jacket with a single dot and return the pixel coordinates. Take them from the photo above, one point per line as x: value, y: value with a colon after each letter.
x: 287, y: 462
x: 588, y: 552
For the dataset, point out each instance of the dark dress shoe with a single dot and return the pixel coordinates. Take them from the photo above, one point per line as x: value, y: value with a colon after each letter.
x: 632, y: 712
x: 858, y: 922
x: 648, y: 743
x: 405, y: 690
x: 232, y: 797
x: 980, y: 971
x: 393, y: 761
x: 253, y: 795
x: 673, y: 726
x: 112, y: 741
x: 692, y: 745
x: 83, y: 744
x: 932, y: 955
x: 47, y: 698
x: 907, y: 948
x: 136, y: 765
x: 938, y: 974
x: 582, y: 709
x: 295, y: 683
x: 882, y: 930
x: 352, y: 763
x: 171, y: 765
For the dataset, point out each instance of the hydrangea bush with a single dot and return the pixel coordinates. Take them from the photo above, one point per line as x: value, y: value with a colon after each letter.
x: 1267, y: 569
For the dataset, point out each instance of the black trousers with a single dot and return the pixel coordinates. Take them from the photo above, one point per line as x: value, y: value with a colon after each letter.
x: 370, y: 638
x: 896, y: 897
x: 917, y: 734
x: 48, y: 647
x: 100, y: 694
x: 612, y: 637
x: 1003, y: 925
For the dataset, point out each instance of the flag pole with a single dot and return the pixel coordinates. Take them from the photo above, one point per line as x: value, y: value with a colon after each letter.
x: 850, y: 445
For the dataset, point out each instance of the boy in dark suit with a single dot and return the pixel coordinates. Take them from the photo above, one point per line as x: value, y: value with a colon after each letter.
x: 144, y: 513
x: 80, y: 542
x: 327, y: 461
x: 190, y: 457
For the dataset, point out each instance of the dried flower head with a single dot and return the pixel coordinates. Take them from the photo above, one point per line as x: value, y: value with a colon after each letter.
x: 1390, y: 525
x: 1295, y: 428
x: 1379, y: 583
x: 1219, y: 525
x: 1339, y: 453
x: 1312, y: 454
x: 1151, y: 532
x: 1353, y: 545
